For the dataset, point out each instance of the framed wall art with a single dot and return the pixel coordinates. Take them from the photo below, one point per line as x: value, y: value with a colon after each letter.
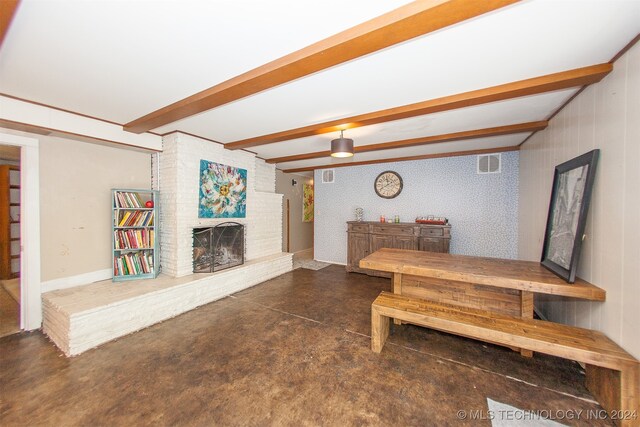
x: 307, y: 203
x: 568, y: 208
x: 222, y: 191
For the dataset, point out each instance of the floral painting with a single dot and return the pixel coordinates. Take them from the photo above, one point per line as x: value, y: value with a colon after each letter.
x: 223, y: 191
x: 307, y: 202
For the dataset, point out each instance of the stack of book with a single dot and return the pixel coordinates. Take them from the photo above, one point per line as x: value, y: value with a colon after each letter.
x: 136, y: 219
x: 133, y: 263
x: 134, y: 239
x: 127, y: 200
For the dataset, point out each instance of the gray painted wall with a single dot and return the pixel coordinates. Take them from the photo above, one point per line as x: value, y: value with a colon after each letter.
x: 482, y: 209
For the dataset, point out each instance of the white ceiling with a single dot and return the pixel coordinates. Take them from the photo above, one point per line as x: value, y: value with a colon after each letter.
x: 119, y: 60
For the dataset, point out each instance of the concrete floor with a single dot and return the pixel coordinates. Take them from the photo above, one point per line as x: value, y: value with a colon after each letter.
x: 291, y: 351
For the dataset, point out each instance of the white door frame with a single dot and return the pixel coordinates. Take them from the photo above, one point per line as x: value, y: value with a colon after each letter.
x: 30, y: 295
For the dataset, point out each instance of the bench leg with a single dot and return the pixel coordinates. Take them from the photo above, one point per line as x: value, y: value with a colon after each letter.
x: 379, y: 330
x: 630, y: 395
x: 617, y: 391
x: 397, y: 289
x: 526, y: 312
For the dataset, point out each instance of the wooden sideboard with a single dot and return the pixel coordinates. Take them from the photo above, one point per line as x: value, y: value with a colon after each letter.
x: 366, y: 237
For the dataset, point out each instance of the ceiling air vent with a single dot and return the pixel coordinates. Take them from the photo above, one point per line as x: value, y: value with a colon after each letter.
x: 328, y: 176
x: 489, y: 163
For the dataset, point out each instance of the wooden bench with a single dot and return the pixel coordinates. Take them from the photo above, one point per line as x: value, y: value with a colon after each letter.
x: 613, y: 375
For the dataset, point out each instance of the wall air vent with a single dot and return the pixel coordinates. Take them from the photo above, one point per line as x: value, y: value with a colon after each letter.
x: 328, y: 176
x: 489, y: 163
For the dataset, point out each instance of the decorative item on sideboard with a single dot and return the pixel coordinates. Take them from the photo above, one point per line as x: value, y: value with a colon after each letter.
x: 359, y: 214
x: 435, y: 220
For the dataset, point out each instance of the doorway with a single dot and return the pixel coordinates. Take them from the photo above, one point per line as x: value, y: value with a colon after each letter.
x: 297, y: 222
x: 28, y: 222
x: 9, y: 240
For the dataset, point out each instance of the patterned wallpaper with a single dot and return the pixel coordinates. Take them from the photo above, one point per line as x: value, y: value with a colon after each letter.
x: 482, y: 209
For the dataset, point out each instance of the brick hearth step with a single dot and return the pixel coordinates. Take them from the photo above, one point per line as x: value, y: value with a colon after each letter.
x: 80, y: 318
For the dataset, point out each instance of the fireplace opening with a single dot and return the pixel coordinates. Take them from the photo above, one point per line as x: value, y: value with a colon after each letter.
x: 218, y: 248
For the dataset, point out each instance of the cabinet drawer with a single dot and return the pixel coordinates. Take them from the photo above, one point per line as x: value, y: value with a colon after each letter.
x: 391, y: 229
x: 432, y: 244
x: 359, y: 228
x: 431, y: 240
x: 431, y: 232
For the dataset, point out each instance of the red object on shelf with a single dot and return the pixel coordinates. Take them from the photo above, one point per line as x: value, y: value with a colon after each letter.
x: 149, y: 204
x: 430, y: 221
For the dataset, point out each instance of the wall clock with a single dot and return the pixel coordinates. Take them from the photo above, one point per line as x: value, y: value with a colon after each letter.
x: 388, y: 184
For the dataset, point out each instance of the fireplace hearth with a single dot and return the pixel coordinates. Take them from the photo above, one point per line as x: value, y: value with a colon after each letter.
x: 218, y: 248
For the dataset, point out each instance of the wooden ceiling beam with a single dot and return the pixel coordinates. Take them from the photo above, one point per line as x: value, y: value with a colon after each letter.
x: 41, y: 130
x: 537, y: 85
x: 7, y: 12
x: 405, y: 159
x: 433, y: 139
x: 402, y: 24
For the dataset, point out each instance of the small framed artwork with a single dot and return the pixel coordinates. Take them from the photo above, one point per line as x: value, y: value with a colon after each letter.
x: 568, y: 208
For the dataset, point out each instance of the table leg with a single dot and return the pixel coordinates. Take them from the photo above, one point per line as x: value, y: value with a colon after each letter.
x: 397, y: 289
x: 526, y: 312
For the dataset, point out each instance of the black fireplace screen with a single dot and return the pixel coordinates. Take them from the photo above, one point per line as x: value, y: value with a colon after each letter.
x: 218, y: 248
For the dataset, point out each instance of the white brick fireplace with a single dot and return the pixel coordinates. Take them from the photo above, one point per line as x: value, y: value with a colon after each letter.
x: 176, y: 175
x: 78, y: 319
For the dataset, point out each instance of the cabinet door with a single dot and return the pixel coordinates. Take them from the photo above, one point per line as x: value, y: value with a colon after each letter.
x: 404, y: 242
x: 379, y: 241
x: 431, y: 244
x: 358, y: 248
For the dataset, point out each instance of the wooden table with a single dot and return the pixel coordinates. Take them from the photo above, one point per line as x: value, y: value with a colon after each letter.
x: 496, y: 285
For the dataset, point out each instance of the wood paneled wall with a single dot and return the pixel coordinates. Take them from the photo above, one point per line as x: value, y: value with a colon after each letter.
x: 605, y: 116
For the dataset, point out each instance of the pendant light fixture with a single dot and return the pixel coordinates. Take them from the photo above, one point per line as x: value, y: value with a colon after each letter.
x: 342, y: 147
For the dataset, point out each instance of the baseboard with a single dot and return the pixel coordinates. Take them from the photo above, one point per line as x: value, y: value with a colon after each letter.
x: 330, y: 262
x: 303, y: 251
x: 73, y: 281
